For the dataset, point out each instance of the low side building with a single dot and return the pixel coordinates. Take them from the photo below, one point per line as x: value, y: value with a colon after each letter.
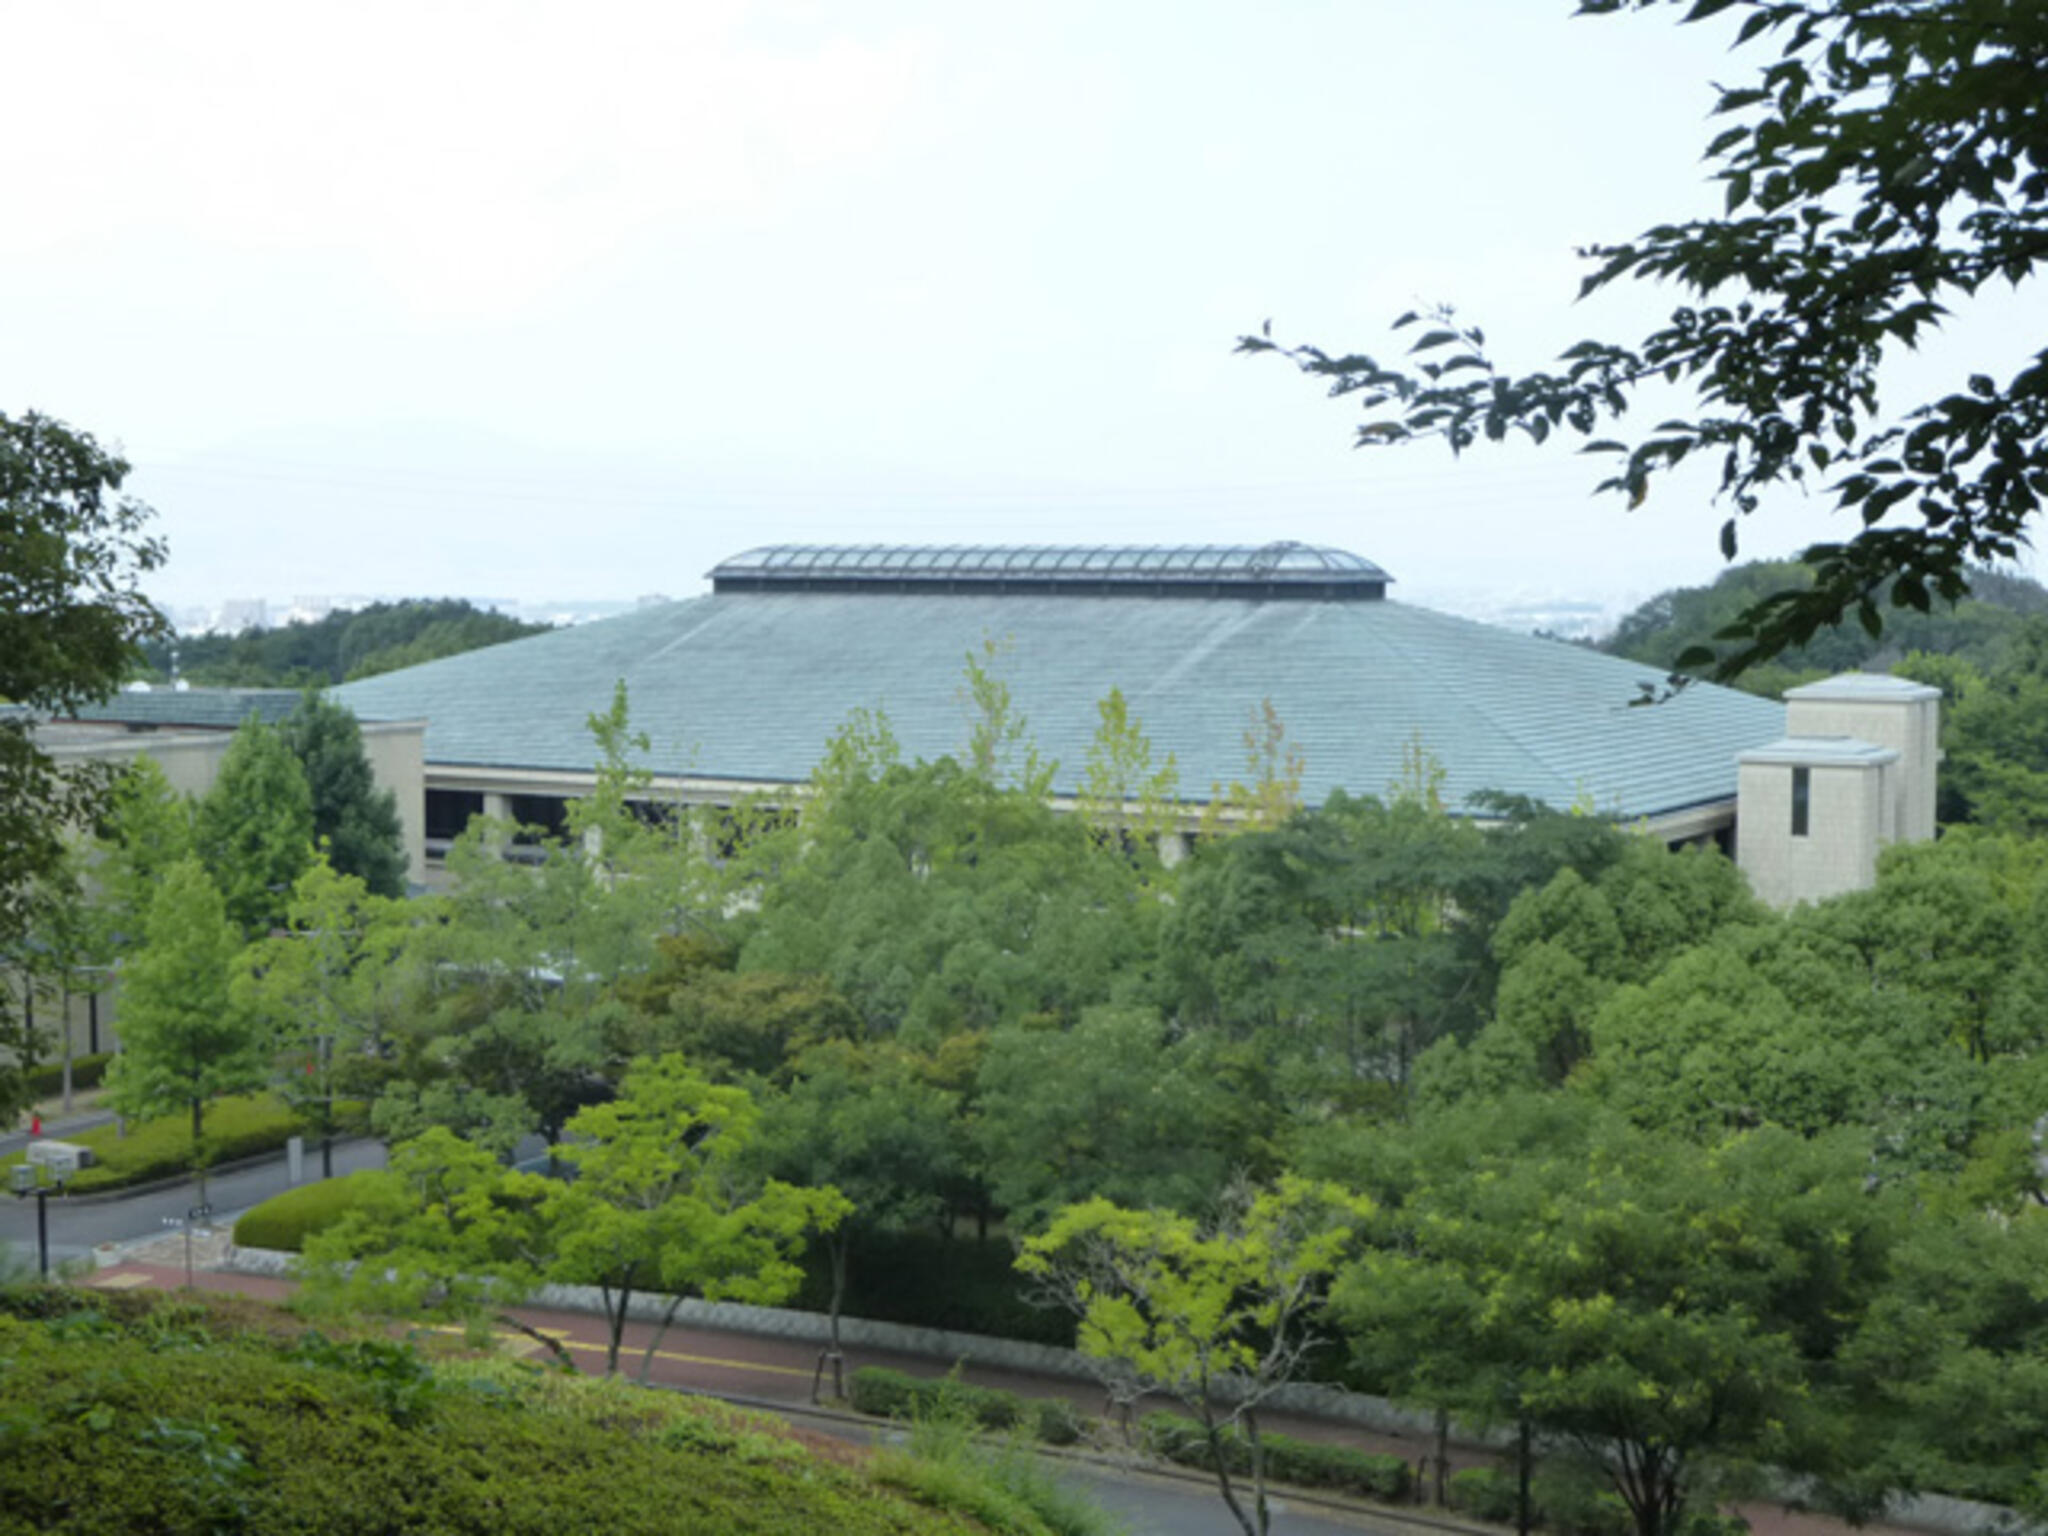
x: 1854, y: 772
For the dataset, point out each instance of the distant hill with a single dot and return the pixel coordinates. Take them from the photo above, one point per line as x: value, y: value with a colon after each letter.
x: 1979, y: 629
x: 342, y: 646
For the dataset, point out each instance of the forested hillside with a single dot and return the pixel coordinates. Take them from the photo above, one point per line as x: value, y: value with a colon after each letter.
x: 1979, y: 629
x: 380, y: 638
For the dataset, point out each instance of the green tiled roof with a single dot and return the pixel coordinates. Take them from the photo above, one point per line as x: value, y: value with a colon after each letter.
x: 749, y: 685
x: 220, y: 708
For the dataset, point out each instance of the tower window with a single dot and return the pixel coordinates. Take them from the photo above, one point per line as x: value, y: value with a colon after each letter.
x: 1802, y: 800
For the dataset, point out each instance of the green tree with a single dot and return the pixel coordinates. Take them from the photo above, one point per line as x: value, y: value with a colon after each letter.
x: 183, y: 1041
x: 355, y: 821
x: 1677, y: 1314
x: 999, y: 749
x: 340, y: 647
x: 869, y: 1124
x: 1112, y: 1107
x: 1270, y: 791
x: 662, y: 1199
x: 318, y: 993
x: 1956, y: 1351
x: 254, y: 829
x: 146, y: 829
x: 447, y: 1233
x: 936, y: 901
x: 1218, y: 1314
x: 1125, y: 796
x: 1884, y: 166
x: 73, y: 551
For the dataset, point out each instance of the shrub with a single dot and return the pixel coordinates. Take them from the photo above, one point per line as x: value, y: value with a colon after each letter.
x: 1305, y: 1463
x: 1485, y: 1494
x: 893, y: 1395
x: 162, y: 1148
x: 115, y: 1429
x: 47, y: 1079
x: 285, y: 1221
x: 1578, y: 1502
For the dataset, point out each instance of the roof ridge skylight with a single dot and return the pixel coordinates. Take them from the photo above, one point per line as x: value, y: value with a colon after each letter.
x: 1283, y: 568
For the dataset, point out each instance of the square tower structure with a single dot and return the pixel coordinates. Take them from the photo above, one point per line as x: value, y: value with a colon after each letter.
x: 1855, y: 771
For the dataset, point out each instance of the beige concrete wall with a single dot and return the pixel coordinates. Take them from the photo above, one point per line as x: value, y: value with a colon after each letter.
x: 1888, y: 712
x: 397, y: 753
x: 1847, y: 812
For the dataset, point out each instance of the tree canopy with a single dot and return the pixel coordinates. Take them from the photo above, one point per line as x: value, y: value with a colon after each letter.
x: 353, y: 819
x: 73, y: 552
x: 1885, y: 164
x: 380, y: 638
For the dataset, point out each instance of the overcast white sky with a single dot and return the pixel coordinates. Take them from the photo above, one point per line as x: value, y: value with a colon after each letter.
x: 552, y: 301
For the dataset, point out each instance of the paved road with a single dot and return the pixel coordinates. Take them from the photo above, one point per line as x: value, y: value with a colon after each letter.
x: 77, y: 1226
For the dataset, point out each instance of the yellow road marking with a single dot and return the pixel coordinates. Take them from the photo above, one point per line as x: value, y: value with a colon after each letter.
x: 120, y: 1282
x: 589, y: 1347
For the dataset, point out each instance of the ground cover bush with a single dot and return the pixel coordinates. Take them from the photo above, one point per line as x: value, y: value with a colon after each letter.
x: 138, y: 1413
x: 1005, y: 1485
x: 162, y: 1148
x: 1304, y: 1463
x: 285, y: 1221
x: 895, y: 1395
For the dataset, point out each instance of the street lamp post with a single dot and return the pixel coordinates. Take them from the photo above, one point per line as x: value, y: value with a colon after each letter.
x: 27, y: 1179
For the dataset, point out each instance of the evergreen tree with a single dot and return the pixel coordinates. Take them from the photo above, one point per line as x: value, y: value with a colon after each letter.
x: 356, y: 820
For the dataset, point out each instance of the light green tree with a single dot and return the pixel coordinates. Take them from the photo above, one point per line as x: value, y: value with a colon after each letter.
x: 318, y: 991
x: 147, y: 829
x: 183, y: 1040
x: 1215, y: 1314
x: 1125, y: 797
x: 1270, y: 792
x: 254, y: 829
x: 999, y: 749
x: 663, y: 1200
x: 445, y: 1233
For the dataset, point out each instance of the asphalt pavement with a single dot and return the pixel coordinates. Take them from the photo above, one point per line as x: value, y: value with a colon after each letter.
x: 80, y: 1223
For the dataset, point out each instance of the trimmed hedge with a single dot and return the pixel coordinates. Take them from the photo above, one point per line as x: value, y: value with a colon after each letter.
x: 285, y: 1221
x: 894, y: 1395
x: 46, y: 1080
x: 162, y: 1148
x: 1304, y: 1463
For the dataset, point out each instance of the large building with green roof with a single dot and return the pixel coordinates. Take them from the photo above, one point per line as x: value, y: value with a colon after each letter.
x: 739, y: 691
